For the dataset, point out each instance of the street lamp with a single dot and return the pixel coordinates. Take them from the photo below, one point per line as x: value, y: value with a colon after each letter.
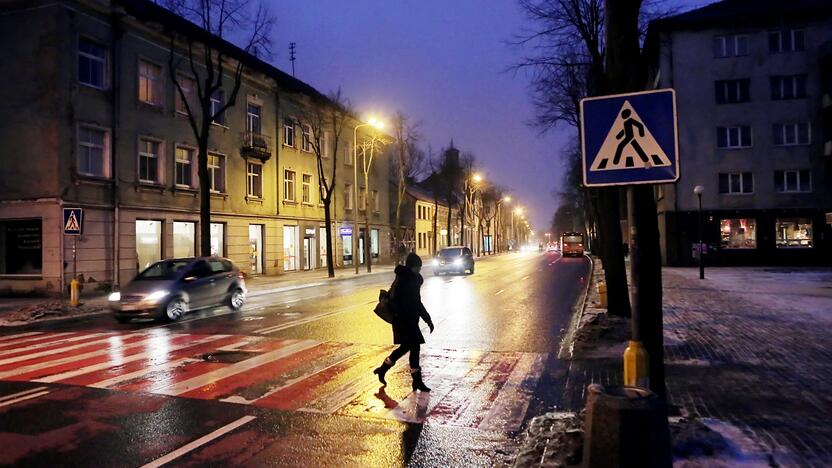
x: 469, y: 193
x: 371, y: 122
x: 698, y: 190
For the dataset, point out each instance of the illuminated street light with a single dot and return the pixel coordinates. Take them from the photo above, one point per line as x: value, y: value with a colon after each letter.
x: 378, y: 125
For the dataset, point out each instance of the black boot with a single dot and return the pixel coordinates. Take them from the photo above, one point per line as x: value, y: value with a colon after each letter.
x: 418, y: 384
x: 382, y: 370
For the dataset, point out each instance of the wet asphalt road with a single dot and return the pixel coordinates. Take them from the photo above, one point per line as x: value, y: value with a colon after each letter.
x: 287, y: 382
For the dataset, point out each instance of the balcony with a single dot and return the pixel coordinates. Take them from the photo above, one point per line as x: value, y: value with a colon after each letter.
x: 256, y: 145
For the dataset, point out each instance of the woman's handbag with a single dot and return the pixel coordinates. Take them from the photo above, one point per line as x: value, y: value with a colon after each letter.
x: 384, y: 308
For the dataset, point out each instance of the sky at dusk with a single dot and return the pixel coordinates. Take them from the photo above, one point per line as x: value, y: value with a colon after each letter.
x: 443, y: 63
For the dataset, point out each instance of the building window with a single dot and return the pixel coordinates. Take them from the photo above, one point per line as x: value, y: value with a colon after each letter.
x: 289, y: 186
x: 733, y: 137
x: 788, y: 87
x: 150, y: 83
x: 348, y: 197
x: 217, y: 239
x: 738, y: 233
x: 348, y: 155
x: 92, y: 151
x: 184, y: 239
x: 21, y: 247
x: 787, y: 40
x: 306, y: 138
x: 92, y: 64
x: 792, y: 134
x: 736, y: 182
x: 254, y: 174
x: 376, y: 207
x: 374, y: 247
x: 184, y: 166
x: 793, y: 232
x: 362, y: 199
x: 148, y: 242
x: 149, y: 160
x: 322, y: 246
x: 217, y: 102
x: 306, y: 189
x: 325, y: 149
x: 290, y: 248
x: 793, y: 181
x: 730, y: 46
x: 253, y: 122
x: 732, y: 91
x: 289, y: 132
x: 216, y: 172
x: 188, y: 86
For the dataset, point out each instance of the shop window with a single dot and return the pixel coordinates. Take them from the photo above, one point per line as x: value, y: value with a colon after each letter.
x: 374, y: 247
x: 793, y: 232
x: 184, y: 239
x: 217, y: 239
x: 148, y: 242
x: 347, y: 241
x: 21, y: 247
x: 290, y: 248
x: 738, y: 233
x: 322, y: 246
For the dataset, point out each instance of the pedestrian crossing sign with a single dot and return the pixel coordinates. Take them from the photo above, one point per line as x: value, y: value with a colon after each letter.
x: 630, y: 139
x: 73, y: 221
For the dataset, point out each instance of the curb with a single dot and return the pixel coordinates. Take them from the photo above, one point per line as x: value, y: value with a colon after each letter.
x: 263, y: 292
x: 568, y: 342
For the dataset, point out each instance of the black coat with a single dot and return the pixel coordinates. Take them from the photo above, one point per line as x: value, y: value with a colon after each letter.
x: 408, y: 307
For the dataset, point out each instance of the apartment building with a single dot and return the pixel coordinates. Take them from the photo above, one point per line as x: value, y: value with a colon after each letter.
x: 94, y: 121
x: 752, y: 81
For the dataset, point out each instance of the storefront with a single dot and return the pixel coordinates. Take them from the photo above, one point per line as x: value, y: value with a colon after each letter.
x: 21, y: 247
x: 309, y: 248
x: 255, y: 255
x: 345, y: 233
x: 290, y: 248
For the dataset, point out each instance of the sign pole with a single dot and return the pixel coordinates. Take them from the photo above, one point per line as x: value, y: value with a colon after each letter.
x: 636, y: 362
x: 73, y: 285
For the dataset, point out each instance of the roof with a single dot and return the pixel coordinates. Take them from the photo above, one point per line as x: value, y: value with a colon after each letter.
x: 746, y: 13
x: 146, y: 10
x: 423, y: 193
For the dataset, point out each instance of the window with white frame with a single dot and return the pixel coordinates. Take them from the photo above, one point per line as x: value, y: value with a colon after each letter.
x: 348, y: 196
x: 216, y: 172
x: 348, y: 154
x: 217, y: 101
x: 306, y: 188
x: 150, y: 83
x: 306, y: 138
x: 792, y: 181
x: 253, y: 119
x: 254, y: 175
x: 787, y: 40
x: 732, y: 91
x: 188, y: 86
x: 788, y: 87
x: 792, y: 134
x: 289, y: 132
x: 149, y: 155
x: 736, y: 183
x: 184, y: 166
x: 325, y: 149
x: 733, y: 45
x: 93, y: 146
x: 376, y: 206
x: 733, y: 137
x: 289, y: 186
x: 92, y: 63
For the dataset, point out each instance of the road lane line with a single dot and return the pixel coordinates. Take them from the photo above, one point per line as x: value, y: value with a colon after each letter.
x: 234, y: 369
x: 24, y: 392
x: 23, y: 398
x: 303, y: 321
x: 499, y: 292
x: 199, y: 442
x: 125, y: 360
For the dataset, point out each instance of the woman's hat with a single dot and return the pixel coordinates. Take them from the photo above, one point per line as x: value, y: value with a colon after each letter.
x: 413, y: 260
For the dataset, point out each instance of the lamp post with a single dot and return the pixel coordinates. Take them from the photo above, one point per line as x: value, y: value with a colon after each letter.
x: 372, y: 122
x: 469, y: 193
x: 698, y: 190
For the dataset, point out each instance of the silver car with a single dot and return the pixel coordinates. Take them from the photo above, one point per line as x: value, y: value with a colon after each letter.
x: 169, y: 289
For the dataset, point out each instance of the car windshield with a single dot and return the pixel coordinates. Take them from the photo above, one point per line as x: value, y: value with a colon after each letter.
x: 573, y: 239
x: 166, y: 270
x: 450, y: 253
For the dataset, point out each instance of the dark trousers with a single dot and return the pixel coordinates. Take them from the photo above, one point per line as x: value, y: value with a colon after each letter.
x: 404, y: 348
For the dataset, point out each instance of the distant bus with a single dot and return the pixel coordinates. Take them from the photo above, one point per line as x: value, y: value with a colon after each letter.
x: 572, y: 243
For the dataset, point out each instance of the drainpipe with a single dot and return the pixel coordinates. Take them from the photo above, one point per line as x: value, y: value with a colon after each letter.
x: 116, y: 15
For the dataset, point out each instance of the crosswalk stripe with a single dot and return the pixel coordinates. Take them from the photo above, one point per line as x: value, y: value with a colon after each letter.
x: 24, y: 392
x: 29, y: 339
x: 274, y: 395
x: 23, y: 398
x: 509, y: 409
x: 305, y: 320
x: 236, y: 368
x: 344, y: 387
x: 50, y: 343
x: 29, y: 357
x: 142, y: 372
x: 5, y: 338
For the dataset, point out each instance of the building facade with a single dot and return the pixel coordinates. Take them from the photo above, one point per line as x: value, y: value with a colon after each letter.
x: 95, y: 122
x: 752, y: 81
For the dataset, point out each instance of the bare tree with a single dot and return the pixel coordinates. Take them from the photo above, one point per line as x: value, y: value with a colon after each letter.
x: 407, y: 165
x: 369, y: 145
x: 211, y: 64
x: 327, y: 121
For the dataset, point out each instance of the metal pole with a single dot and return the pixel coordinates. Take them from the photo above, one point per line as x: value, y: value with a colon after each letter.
x: 636, y: 361
x: 368, y: 246
x: 355, y: 255
x: 701, y: 253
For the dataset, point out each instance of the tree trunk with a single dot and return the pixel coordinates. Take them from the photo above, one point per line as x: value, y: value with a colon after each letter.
x: 204, y: 196
x: 330, y: 257
x: 612, y: 252
x: 450, y: 210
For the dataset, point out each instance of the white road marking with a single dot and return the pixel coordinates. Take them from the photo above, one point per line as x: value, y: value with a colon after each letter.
x: 23, y: 398
x: 64, y: 349
x: 509, y: 408
x: 57, y: 341
x: 306, y: 320
x: 290, y: 382
x: 18, y: 342
x: 142, y: 372
x: 199, y: 442
x: 24, y: 392
x: 499, y: 292
x: 18, y: 335
x: 524, y: 278
x: 234, y: 369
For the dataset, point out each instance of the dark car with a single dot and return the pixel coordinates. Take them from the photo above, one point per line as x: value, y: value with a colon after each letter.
x: 169, y: 289
x: 453, y: 260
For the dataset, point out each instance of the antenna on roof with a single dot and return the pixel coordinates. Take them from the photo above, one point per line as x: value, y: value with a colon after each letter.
x: 292, y: 56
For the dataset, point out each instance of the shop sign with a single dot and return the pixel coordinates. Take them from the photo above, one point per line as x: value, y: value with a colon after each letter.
x: 310, y: 231
x: 345, y: 231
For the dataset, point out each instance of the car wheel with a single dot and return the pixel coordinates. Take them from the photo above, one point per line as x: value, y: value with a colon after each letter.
x: 176, y: 308
x: 236, y: 299
x: 122, y: 319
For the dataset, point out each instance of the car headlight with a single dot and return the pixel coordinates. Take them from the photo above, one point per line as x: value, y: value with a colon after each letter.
x: 435, y: 262
x: 114, y: 297
x: 156, y: 296
x: 457, y: 262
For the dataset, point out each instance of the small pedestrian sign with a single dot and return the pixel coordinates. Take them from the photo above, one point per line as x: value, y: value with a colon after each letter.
x: 630, y: 139
x: 73, y: 221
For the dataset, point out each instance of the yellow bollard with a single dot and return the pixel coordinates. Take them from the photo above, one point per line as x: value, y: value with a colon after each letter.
x: 73, y: 292
x: 602, y: 293
x: 636, y: 371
